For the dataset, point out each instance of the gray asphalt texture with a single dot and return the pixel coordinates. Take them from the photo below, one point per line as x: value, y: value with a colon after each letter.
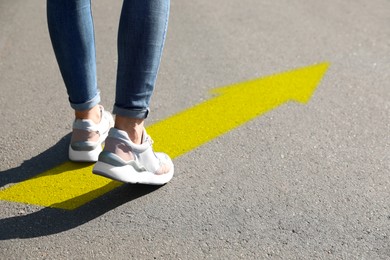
x: 300, y: 182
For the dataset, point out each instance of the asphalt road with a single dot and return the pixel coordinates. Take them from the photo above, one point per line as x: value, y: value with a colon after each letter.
x: 300, y: 182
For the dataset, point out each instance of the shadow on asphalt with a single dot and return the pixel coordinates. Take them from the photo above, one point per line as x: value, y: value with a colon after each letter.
x: 49, y: 221
x: 47, y: 160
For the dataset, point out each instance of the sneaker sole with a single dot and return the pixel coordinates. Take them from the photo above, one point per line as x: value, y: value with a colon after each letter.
x: 128, y: 174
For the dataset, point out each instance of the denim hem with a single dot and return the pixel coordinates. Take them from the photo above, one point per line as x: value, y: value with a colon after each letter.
x: 86, y: 105
x: 133, y: 113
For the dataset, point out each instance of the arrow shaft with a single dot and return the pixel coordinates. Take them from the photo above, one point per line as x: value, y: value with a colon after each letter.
x: 198, y: 125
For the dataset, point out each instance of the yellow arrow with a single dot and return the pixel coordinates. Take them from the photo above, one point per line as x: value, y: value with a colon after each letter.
x: 233, y: 106
x: 71, y: 185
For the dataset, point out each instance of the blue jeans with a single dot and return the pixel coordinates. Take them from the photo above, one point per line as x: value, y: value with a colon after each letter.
x: 141, y: 37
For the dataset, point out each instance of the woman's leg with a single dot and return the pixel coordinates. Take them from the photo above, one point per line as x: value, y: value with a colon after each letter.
x: 72, y: 35
x: 128, y: 155
x: 141, y: 37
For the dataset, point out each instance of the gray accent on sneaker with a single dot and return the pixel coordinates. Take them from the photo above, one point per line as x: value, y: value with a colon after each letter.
x: 84, y: 146
x: 120, y: 135
x: 84, y: 124
x: 114, y: 160
x: 123, y: 137
x: 144, y: 153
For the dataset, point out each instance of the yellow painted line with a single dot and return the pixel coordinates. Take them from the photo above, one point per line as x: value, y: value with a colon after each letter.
x: 67, y: 186
x: 71, y: 185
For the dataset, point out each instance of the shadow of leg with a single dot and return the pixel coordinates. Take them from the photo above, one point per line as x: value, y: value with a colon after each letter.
x: 52, y: 221
x: 50, y: 158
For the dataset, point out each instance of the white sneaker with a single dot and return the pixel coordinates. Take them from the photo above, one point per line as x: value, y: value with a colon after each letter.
x: 87, y: 137
x: 124, y: 161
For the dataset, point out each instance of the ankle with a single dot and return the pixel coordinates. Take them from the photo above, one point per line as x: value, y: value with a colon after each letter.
x: 93, y: 114
x: 133, y: 126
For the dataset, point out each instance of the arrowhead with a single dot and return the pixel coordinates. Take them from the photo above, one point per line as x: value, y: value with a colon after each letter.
x: 298, y: 84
